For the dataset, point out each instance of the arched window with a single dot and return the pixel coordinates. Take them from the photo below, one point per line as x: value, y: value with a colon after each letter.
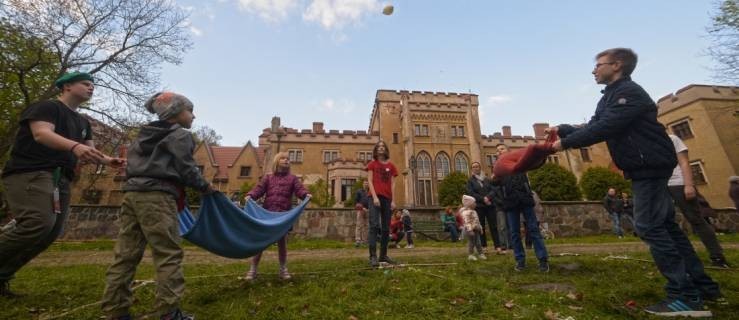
x: 461, y: 164
x: 423, y: 182
x: 442, y: 166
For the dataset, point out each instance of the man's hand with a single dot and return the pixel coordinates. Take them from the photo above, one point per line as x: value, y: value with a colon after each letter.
x: 486, y: 200
x: 115, y: 162
x: 87, y: 154
x: 557, y: 146
x: 690, y: 193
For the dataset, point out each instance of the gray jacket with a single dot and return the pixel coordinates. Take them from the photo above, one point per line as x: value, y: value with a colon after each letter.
x: 161, y: 160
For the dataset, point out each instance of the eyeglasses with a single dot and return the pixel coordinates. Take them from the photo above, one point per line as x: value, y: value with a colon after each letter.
x: 597, y: 65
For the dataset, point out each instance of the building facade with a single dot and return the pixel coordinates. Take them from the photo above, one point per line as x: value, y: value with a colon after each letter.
x: 706, y: 118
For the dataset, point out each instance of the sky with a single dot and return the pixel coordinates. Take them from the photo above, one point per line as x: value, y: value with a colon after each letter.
x: 323, y: 60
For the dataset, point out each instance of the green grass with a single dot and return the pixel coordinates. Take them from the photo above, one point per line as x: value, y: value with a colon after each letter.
x: 341, y: 288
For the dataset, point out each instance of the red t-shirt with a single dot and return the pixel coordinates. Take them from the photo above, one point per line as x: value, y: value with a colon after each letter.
x: 382, y: 174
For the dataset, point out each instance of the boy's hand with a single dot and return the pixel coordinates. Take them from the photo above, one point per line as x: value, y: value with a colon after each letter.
x: 87, y: 154
x: 376, y: 201
x: 689, y: 192
x: 116, y: 162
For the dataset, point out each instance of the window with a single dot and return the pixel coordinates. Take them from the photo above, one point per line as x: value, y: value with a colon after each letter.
x: 295, y: 156
x: 364, y: 155
x: 421, y: 130
x: 682, y: 130
x: 553, y: 159
x: 461, y: 164
x: 423, y: 190
x: 442, y: 166
x: 245, y: 172
x: 396, y: 137
x: 346, y: 188
x: 201, y: 169
x: 585, y: 154
x: 330, y: 155
x: 457, y: 131
x: 696, y: 167
x: 333, y: 188
x: 490, y: 159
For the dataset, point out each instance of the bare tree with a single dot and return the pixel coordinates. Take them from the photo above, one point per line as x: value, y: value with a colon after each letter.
x: 724, y: 33
x: 208, y: 135
x: 123, y: 43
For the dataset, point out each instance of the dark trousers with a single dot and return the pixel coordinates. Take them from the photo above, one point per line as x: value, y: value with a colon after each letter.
x: 486, y: 214
x: 30, y: 201
x: 691, y: 212
x: 654, y: 220
x: 379, y: 222
x: 532, y: 231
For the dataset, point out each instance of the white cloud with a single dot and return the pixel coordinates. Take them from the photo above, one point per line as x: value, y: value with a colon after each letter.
x: 498, y: 100
x: 331, y: 106
x: 335, y: 14
x: 269, y: 10
x: 195, y: 31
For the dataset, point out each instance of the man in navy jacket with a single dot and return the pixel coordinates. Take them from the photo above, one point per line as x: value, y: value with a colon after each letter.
x: 626, y: 118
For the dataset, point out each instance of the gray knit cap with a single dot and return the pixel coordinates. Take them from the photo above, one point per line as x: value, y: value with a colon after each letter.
x: 167, y: 104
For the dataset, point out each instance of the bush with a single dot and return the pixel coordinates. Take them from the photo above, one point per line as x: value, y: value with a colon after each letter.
x: 596, y: 181
x: 554, y: 183
x: 321, y: 195
x: 452, y: 188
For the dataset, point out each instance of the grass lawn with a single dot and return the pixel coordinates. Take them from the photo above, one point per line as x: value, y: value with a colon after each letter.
x: 578, y: 287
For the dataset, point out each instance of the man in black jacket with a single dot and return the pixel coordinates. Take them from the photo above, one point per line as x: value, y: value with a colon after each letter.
x: 517, y: 200
x: 626, y: 118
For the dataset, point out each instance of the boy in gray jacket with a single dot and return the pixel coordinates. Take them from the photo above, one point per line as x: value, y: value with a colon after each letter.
x: 160, y: 166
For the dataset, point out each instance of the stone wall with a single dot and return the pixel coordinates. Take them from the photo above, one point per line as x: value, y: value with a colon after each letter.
x: 565, y: 219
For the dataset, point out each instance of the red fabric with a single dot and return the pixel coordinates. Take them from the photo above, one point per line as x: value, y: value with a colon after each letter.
x: 529, y: 158
x: 382, y: 174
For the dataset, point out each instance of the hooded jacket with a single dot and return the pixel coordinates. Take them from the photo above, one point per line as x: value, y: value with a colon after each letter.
x: 161, y: 160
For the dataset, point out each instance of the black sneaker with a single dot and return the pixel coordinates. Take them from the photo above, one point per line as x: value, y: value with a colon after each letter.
x: 720, y: 262
x: 677, y: 307
x: 373, y: 262
x: 520, y: 266
x: 5, y: 290
x: 387, y: 260
x: 544, y: 266
x: 177, y: 315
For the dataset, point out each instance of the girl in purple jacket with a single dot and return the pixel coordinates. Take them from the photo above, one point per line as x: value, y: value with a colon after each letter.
x: 277, y: 188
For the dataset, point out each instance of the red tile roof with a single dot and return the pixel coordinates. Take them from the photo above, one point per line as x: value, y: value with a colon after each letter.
x: 224, y: 157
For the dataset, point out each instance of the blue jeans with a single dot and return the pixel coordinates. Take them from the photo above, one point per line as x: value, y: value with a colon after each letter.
x: 654, y: 221
x: 616, y: 220
x: 532, y: 227
x: 453, y: 232
x: 379, y: 222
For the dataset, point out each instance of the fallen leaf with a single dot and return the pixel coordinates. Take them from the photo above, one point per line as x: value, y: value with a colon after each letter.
x: 509, y: 305
x: 551, y: 315
x: 575, y: 296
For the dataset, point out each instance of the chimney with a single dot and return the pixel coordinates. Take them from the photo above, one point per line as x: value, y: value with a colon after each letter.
x: 507, y: 131
x: 539, y: 129
x: 318, y: 127
x: 275, y: 124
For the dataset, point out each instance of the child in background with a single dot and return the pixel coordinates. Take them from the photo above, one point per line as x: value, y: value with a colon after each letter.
x: 471, y: 227
x: 449, y: 223
x: 396, y: 229
x: 408, y: 228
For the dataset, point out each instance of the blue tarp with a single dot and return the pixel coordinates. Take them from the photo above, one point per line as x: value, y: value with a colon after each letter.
x: 229, y: 231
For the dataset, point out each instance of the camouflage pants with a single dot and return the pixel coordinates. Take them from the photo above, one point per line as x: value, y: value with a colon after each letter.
x: 30, y: 201
x: 146, y: 217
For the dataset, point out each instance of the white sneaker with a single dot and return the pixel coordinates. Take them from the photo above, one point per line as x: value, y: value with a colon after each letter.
x: 482, y: 257
x: 410, y: 246
x: 472, y: 257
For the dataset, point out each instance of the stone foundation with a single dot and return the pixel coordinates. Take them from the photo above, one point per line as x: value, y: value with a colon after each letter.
x: 565, y: 219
